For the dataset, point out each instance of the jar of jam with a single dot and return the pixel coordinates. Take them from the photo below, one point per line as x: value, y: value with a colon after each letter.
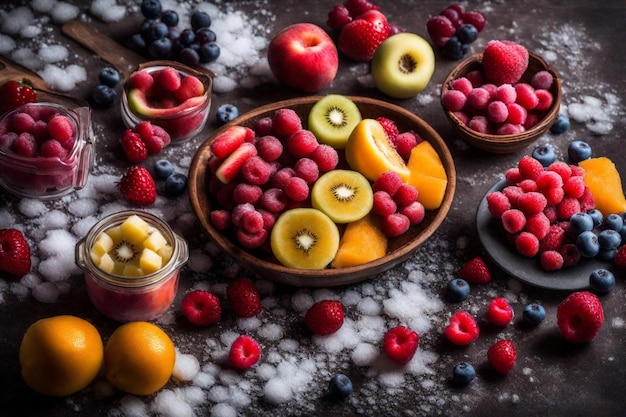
x: 131, y: 262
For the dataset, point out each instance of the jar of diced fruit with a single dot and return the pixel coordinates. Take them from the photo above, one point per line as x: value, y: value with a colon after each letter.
x: 131, y: 261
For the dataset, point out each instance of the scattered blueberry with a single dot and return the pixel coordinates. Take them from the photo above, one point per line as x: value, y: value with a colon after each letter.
x: 544, y: 154
x: 200, y: 20
x: 609, y: 239
x: 226, y: 112
x: 560, y: 125
x: 606, y: 254
x: 170, y: 18
x: 458, y: 290
x: 163, y: 168
x: 578, y: 150
x: 454, y: 48
x: 155, y: 31
x: 189, y: 56
x: 175, y: 184
x: 601, y: 280
x: 103, y: 95
x: 205, y: 35
x: 533, y: 313
x: 160, y: 49
x: 136, y: 42
x: 151, y: 9
x: 467, y: 33
x: 587, y: 244
x: 209, y: 52
x: 613, y: 222
x: 109, y: 76
x: 463, y: 373
x: 580, y: 222
x: 597, y: 217
x: 340, y: 386
x: 187, y: 37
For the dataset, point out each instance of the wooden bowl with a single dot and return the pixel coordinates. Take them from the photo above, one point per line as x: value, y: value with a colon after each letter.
x: 505, y: 143
x: 399, y: 248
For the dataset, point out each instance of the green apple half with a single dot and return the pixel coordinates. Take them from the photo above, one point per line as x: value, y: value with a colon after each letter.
x: 403, y: 65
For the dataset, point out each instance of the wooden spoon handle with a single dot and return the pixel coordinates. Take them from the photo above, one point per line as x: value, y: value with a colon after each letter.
x: 13, y: 71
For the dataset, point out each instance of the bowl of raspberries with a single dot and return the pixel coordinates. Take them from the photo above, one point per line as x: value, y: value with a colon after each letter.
x: 501, y: 99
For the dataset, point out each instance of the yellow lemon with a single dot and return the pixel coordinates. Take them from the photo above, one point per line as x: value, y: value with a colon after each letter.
x: 60, y: 355
x: 139, y: 358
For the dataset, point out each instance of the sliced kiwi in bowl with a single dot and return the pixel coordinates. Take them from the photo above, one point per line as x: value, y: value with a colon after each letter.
x: 332, y: 118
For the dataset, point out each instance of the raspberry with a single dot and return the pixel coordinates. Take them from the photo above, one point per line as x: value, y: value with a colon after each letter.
x: 338, y: 17
x: 274, y: 200
x: 480, y: 124
x: 462, y: 328
x: 302, y: 143
x: 220, y: 219
x: 453, y: 100
x: 326, y: 157
x: 527, y: 186
x: 499, y: 312
x: 553, y: 240
x: 389, y: 126
x: 388, y: 181
x: 358, y: 7
x: 201, y: 308
x: 551, y: 260
x: 567, y: 208
x: 509, y: 129
x: 406, y: 194
x: 587, y: 200
x: 251, y: 221
x: 285, y: 122
x: 542, y: 80
x: 506, y: 94
x: 297, y: 189
x: 306, y: 169
x: 263, y: 126
x: 270, y: 148
x: 517, y: 114
x: 414, y: 211
x: 243, y: 297
x: 251, y: 240
x: 238, y: 212
x: 580, y: 317
x: 554, y: 196
x: 324, y: 317
x: 255, y: 170
x: 268, y: 219
x: 538, y: 224
x: 461, y: 84
x: 440, y: 29
x: 247, y: 193
x: 526, y: 96
x: 476, y: 77
x: 405, y: 142
x: 549, y: 179
x: 497, y: 112
x: 280, y: 177
x: 52, y: 148
x: 400, y: 344
x: 479, y: 98
x: 532, y: 203
x: 475, y: 271
x: 561, y: 168
x: 474, y: 18
x: 550, y: 212
x: 531, y: 121
x: 513, y: 193
x: 513, y: 221
x: 497, y: 203
x: 544, y: 100
x: 529, y: 168
x: 384, y: 204
x: 502, y: 356
x: 620, y: 258
x: 244, y: 352
x: 527, y: 244
x: 574, y: 187
x: 570, y: 255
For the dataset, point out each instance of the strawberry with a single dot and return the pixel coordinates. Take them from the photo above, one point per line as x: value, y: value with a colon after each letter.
x: 244, y: 352
x: 504, y: 62
x: 16, y: 93
x: 134, y: 148
x: 401, y: 343
x: 244, y: 297
x: 201, y: 308
x: 137, y: 186
x: 359, y: 39
x: 462, y: 328
x: 580, y: 317
x: 14, y: 253
x: 620, y: 258
x: 475, y: 271
x: 501, y: 355
x: 499, y: 312
x: 324, y: 317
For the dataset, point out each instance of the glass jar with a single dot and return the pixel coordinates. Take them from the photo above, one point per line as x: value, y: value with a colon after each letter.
x: 182, y: 121
x: 123, y: 298
x: 46, y: 177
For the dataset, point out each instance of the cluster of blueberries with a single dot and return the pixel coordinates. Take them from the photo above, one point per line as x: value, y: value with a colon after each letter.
x: 175, y: 182
x: 160, y: 38
x: 104, y: 94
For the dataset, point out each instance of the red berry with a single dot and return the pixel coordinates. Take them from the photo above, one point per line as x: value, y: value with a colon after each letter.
x: 462, y: 328
x: 530, y: 168
x: 285, y: 122
x: 475, y: 271
x: 502, y: 356
x: 440, y: 29
x: 220, y: 219
x: 389, y: 126
x: 297, y: 189
x: 168, y: 78
x: 244, y: 352
x: 302, y: 143
x: 553, y: 240
x: 137, y: 186
x: 270, y: 148
x: 307, y: 169
x: 395, y: 224
x: 499, y: 312
x: 570, y: 254
x: 358, y: 7
x: 414, y: 211
x: 201, y: 307
x: 14, y: 253
x: 383, y: 204
x: 474, y: 18
x: 497, y: 203
x: 551, y: 260
x: 338, y: 17
x: 405, y: 142
x: 134, y: 148
x: 324, y: 317
x: 359, y: 39
x: 538, y: 224
x: 513, y: 220
x: 388, y: 181
x: 16, y: 93
x: 256, y: 170
x: 326, y: 157
x: 527, y: 244
x: 580, y: 317
x: 243, y: 297
x: 406, y: 194
x: 400, y: 344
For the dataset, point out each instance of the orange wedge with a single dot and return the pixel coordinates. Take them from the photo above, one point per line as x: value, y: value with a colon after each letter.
x: 362, y: 242
x: 605, y: 184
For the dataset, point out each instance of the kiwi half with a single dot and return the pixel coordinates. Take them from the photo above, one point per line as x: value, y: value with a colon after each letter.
x: 332, y: 119
x: 343, y: 195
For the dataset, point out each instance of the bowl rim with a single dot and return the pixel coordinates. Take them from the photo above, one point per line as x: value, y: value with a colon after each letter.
x: 328, y: 276
x: 502, y: 140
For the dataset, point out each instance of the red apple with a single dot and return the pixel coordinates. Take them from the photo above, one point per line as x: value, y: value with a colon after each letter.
x: 304, y: 57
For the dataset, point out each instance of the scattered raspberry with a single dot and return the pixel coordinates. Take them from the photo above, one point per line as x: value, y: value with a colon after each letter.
x: 462, y: 328
x: 475, y: 271
x: 580, y: 317
x: 324, y: 317
x: 502, y: 356
x: 137, y: 186
x: 499, y: 312
x: 243, y: 297
x: 201, y: 308
x: 400, y: 344
x: 244, y: 352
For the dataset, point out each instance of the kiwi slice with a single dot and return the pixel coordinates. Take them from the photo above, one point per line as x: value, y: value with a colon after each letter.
x: 124, y: 252
x: 343, y: 195
x: 332, y: 119
x: 304, y: 238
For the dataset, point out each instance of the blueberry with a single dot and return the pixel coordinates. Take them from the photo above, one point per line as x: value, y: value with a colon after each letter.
x: 226, y: 112
x: 587, y: 244
x: 136, y: 42
x: 613, y: 222
x: 609, y: 239
x: 467, y: 33
x: 340, y: 386
x: 205, y: 35
x: 163, y: 168
x: 463, y: 373
x: 160, y: 48
x: 170, y: 18
x: 533, y: 314
x: 601, y: 280
x: 578, y: 150
x: 580, y: 222
x: 173, y: 34
x: 109, y: 76
x: 200, y: 20
x: 151, y: 9
x: 597, y: 217
x: 209, y: 52
x: 103, y: 95
x: 156, y: 31
x: 458, y: 290
x: 189, y: 56
x: 606, y: 254
x: 560, y: 125
x: 454, y: 49
x: 544, y: 154
x: 187, y: 37
x: 175, y: 184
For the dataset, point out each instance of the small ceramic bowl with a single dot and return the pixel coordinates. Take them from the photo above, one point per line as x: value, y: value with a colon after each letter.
x: 184, y: 120
x: 502, y: 144
x: 399, y: 248
x: 38, y: 174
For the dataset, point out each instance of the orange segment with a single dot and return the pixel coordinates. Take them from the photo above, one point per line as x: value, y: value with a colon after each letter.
x: 605, y: 184
x: 431, y: 190
x: 362, y: 242
x: 370, y: 152
x: 424, y: 159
